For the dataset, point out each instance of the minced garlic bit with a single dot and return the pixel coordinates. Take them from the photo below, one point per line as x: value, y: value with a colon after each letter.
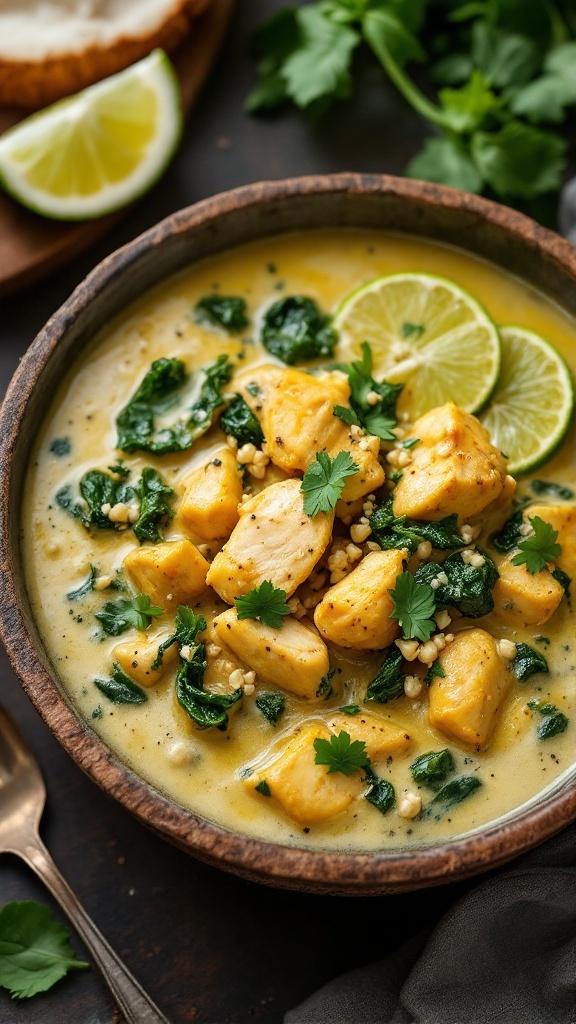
x: 360, y: 532
x: 399, y: 458
x: 409, y: 804
x: 213, y: 650
x: 469, y: 533
x: 442, y: 619
x: 240, y: 680
x: 186, y: 652
x: 408, y: 648
x: 118, y: 513
x: 506, y: 649
x: 373, y: 398
x: 424, y: 549
x: 179, y: 754
x: 246, y: 453
x: 526, y: 530
x: 356, y: 432
x: 412, y: 686
x: 296, y: 607
x: 428, y: 652
x: 102, y: 582
x: 471, y: 557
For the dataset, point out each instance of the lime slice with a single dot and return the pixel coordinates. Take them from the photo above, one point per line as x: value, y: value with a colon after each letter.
x: 426, y: 332
x: 93, y: 152
x: 532, y: 406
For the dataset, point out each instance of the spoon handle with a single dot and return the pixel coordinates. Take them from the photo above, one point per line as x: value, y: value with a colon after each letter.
x: 136, y: 1006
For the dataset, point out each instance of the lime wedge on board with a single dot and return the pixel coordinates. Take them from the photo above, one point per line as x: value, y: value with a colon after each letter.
x: 427, y: 332
x: 96, y: 151
x: 533, y: 403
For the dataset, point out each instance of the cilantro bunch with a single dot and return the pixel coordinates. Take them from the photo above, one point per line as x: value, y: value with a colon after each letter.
x: 501, y: 70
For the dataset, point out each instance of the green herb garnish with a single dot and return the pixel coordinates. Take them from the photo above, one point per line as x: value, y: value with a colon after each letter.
x: 528, y: 662
x: 206, y: 709
x: 85, y: 587
x: 187, y: 626
x: 225, y: 311
x: 34, y: 949
x: 540, y: 487
x: 266, y: 603
x: 350, y: 709
x: 116, y: 617
x: 391, y: 531
x: 295, y: 330
x: 378, y: 418
x: 154, y: 497
x: 325, y: 688
x: 271, y: 704
x: 434, y: 671
x: 341, y: 754
x: 241, y: 423
x: 263, y: 788
x: 388, y: 683
x: 381, y: 792
x: 468, y: 587
x: 553, y: 721
x: 324, y: 481
x: 414, y: 607
x: 121, y: 689
x: 452, y: 793
x: 61, y: 446
x: 536, y: 551
x: 432, y: 769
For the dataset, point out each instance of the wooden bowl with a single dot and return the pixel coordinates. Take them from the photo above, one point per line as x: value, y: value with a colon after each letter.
x: 500, y: 235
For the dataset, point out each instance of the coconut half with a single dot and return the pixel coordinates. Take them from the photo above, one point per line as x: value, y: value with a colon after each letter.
x: 52, y: 48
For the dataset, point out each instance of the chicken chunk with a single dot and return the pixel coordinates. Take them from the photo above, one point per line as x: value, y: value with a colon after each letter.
x: 137, y: 656
x: 306, y: 791
x: 171, y: 573
x: 274, y: 540
x: 356, y: 611
x: 455, y: 468
x: 525, y: 599
x: 293, y: 657
x: 296, y: 413
x: 209, y: 505
x: 464, y: 704
x: 563, y: 519
x: 383, y: 738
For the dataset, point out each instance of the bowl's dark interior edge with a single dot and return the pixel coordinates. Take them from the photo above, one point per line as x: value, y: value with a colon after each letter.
x: 486, y: 229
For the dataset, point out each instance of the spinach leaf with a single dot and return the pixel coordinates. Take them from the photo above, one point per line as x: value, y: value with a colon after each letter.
x: 553, y: 721
x: 263, y: 788
x: 388, y: 684
x: 121, y: 689
x: 432, y: 769
x: 85, y: 587
x: 381, y: 792
x: 434, y: 671
x: 187, y: 626
x: 158, y: 393
x: 540, y: 487
x: 452, y: 793
x: 240, y: 421
x: 295, y: 330
x: 154, y: 495
x: 378, y: 418
x: 61, y: 446
x: 325, y: 688
x: 563, y: 579
x: 96, y: 489
x: 469, y: 588
x: 271, y: 704
x: 204, y: 708
x: 507, y: 538
x: 528, y: 662
x: 225, y: 311
x: 391, y: 531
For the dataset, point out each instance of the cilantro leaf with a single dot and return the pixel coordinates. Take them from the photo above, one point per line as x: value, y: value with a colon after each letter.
x: 414, y: 607
x: 504, y: 58
x: 225, y: 311
x: 546, y: 98
x: 553, y: 721
x: 319, y: 67
x: 271, y: 704
x: 272, y: 43
x: 468, y: 106
x: 121, y: 689
x: 341, y: 754
x: 536, y: 551
x: 447, y: 162
x: 324, y: 480
x: 34, y: 949
x: 187, y: 625
x: 266, y: 603
x: 519, y: 160
x: 116, y: 617
x: 376, y: 418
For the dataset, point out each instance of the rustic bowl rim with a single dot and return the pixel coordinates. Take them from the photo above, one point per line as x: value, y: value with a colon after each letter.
x: 258, y: 860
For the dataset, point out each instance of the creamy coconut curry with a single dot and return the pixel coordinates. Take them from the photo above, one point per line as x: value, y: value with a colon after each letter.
x: 279, y: 590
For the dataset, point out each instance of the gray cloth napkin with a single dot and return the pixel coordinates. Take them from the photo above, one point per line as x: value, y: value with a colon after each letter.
x: 503, y: 954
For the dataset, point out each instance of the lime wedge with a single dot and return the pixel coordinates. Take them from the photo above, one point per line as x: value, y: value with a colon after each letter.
x: 94, y: 152
x: 426, y: 332
x: 532, y: 406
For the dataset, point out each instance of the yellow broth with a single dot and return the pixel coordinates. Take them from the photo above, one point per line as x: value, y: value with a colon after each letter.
x: 201, y: 769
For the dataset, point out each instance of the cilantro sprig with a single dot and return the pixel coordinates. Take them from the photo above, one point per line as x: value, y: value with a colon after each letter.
x: 536, y: 551
x: 34, y: 949
x: 503, y: 73
x: 414, y: 607
x: 324, y: 480
x: 341, y: 754
x: 266, y: 603
x: 116, y: 617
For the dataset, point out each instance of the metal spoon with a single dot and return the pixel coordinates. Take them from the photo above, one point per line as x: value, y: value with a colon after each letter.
x: 22, y: 799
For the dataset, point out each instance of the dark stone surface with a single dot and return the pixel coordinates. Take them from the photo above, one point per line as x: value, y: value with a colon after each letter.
x: 207, y: 946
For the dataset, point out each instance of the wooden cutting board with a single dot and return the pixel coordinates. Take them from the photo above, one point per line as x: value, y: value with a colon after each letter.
x: 33, y: 246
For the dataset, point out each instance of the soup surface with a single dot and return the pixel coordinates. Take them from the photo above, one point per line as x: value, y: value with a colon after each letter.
x: 216, y: 771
